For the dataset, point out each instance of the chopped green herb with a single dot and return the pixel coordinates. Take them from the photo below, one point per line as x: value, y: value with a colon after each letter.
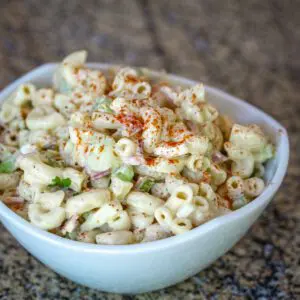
x: 60, y: 182
x: 125, y: 173
x: 103, y: 104
x: 145, y: 184
x: 7, y: 166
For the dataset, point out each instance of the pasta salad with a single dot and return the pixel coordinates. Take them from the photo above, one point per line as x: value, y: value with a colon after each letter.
x: 122, y: 158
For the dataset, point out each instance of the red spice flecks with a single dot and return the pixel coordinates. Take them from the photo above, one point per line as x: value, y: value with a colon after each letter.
x: 78, y: 95
x: 173, y: 131
x: 173, y: 144
x: 131, y: 79
x: 150, y: 161
x: 93, y: 87
x: 229, y: 202
x: 132, y: 123
x: 140, y: 102
x: 173, y: 161
x: 225, y: 201
x: 85, y: 148
x: 155, y: 123
x: 206, y: 177
x: 16, y: 206
x: 194, y: 98
x: 88, y: 124
x: 101, y: 148
x: 76, y: 130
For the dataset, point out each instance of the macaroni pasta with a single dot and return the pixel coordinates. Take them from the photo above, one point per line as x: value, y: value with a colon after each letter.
x: 123, y: 160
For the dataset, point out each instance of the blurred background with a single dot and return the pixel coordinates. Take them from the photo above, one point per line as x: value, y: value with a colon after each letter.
x: 249, y: 48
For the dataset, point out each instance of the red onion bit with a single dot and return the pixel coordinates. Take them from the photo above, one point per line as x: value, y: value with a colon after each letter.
x: 218, y: 157
x: 99, y: 175
x: 70, y: 224
x: 136, y: 160
x: 13, y: 200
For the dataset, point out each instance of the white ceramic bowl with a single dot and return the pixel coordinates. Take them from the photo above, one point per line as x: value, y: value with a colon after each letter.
x: 151, y: 266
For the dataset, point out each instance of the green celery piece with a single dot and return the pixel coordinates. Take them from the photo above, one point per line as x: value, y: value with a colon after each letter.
x: 7, y: 166
x: 103, y: 104
x: 125, y: 173
x: 146, y: 184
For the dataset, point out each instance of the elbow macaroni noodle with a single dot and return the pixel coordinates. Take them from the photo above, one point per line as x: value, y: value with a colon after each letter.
x: 124, y: 160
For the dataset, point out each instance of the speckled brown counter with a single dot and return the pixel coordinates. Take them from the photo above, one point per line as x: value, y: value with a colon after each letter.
x: 249, y: 48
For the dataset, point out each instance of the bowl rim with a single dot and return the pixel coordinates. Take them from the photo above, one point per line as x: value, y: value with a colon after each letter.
x: 263, y: 199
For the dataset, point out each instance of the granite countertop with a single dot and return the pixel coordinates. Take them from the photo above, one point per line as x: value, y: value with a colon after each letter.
x: 248, y: 48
